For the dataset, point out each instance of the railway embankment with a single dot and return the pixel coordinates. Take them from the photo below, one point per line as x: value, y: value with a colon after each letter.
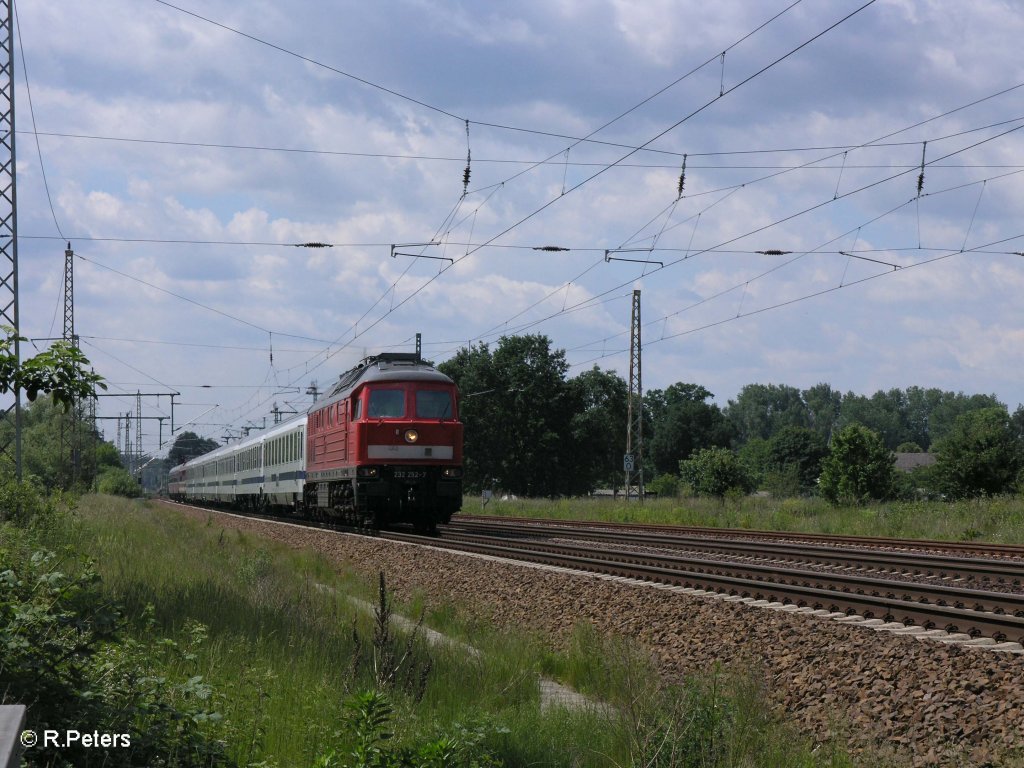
x: 928, y: 702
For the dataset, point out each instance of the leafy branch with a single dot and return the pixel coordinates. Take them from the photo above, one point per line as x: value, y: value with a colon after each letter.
x: 60, y: 371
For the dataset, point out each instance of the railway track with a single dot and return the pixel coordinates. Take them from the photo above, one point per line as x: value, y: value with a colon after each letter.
x: 958, y: 548
x: 981, y: 573
x: 853, y: 583
x: 874, y: 583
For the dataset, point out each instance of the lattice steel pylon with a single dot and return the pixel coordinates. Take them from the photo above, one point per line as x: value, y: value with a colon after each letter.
x: 633, y: 462
x: 70, y: 434
x: 10, y: 447
x: 138, y: 434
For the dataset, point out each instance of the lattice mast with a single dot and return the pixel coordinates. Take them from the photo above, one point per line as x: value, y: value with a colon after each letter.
x: 633, y: 461
x: 138, y: 435
x: 9, y: 220
x: 70, y: 448
x: 69, y: 296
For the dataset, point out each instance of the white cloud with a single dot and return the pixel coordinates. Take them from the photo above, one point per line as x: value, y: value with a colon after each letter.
x: 564, y: 68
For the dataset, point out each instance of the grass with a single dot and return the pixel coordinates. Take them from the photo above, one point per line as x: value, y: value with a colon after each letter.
x: 999, y: 520
x: 270, y: 629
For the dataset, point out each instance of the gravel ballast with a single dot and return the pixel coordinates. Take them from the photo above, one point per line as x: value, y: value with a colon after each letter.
x: 936, y: 704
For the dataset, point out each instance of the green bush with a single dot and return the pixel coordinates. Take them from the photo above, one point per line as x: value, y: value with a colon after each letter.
x: 666, y: 485
x: 858, y: 467
x: 981, y: 456
x: 63, y: 655
x: 714, y: 472
x: 118, y: 482
x: 369, y: 716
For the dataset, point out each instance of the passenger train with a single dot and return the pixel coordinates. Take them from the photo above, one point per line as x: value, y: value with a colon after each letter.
x: 384, y: 446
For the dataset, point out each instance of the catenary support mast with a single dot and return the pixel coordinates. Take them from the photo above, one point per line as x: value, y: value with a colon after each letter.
x: 633, y: 461
x: 9, y: 222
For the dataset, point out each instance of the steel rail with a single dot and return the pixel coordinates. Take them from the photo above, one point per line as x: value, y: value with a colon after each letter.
x: 905, y: 611
x: 919, y: 564
x: 739, y: 581
x: 917, y: 545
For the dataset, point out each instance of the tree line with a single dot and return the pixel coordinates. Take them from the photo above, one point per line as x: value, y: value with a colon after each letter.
x: 533, y: 430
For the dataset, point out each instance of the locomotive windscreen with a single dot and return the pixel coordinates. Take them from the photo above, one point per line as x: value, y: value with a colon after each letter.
x: 433, y: 404
x: 386, y: 404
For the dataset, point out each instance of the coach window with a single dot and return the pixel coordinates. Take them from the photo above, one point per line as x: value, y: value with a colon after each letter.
x: 386, y: 404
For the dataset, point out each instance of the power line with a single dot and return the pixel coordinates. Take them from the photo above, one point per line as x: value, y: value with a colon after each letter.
x: 633, y: 151
x: 808, y: 296
x: 818, y: 251
x: 724, y: 92
x: 461, y: 118
x: 594, y: 299
x: 550, y: 160
x: 32, y: 115
x: 737, y: 187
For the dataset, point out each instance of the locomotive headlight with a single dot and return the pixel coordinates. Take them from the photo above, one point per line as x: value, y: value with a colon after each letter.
x: 411, y: 435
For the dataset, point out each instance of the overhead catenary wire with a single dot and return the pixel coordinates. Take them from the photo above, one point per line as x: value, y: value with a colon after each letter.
x: 418, y: 290
x: 662, y: 133
x: 805, y: 297
x: 523, y: 161
x: 780, y: 221
x: 462, y: 118
x: 852, y: 253
x: 613, y: 293
x: 478, y: 161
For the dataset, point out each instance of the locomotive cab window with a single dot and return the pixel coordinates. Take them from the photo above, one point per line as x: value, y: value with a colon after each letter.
x: 433, y: 404
x: 357, y: 408
x: 386, y: 404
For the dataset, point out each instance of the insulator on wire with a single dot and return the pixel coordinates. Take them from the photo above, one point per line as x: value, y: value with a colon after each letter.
x: 682, y: 179
x: 920, y: 177
x: 469, y: 159
x: 773, y: 252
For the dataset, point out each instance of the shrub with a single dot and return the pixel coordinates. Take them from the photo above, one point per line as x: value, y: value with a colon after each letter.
x: 981, y: 456
x: 368, y: 723
x: 714, y: 471
x: 666, y: 485
x: 63, y: 655
x: 22, y: 502
x: 118, y: 482
x: 858, y: 467
x: 909, y: 448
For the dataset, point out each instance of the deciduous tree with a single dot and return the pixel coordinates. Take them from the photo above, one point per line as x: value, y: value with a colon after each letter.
x: 980, y: 456
x: 517, y: 409
x: 714, y: 472
x: 189, y: 445
x: 761, y: 410
x: 61, y: 372
x: 687, y: 422
x: 858, y: 467
x: 797, y: 453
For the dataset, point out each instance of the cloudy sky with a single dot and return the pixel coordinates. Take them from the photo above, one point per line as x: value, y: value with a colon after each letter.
x: 189, y: 147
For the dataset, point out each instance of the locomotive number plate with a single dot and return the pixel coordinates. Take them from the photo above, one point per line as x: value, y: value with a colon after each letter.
x: 409, y: 474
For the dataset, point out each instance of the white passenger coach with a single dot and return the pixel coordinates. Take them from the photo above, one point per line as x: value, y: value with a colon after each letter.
x: 264, y: 469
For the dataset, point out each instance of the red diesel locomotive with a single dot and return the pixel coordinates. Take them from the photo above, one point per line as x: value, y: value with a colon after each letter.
x: 385, y: 446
